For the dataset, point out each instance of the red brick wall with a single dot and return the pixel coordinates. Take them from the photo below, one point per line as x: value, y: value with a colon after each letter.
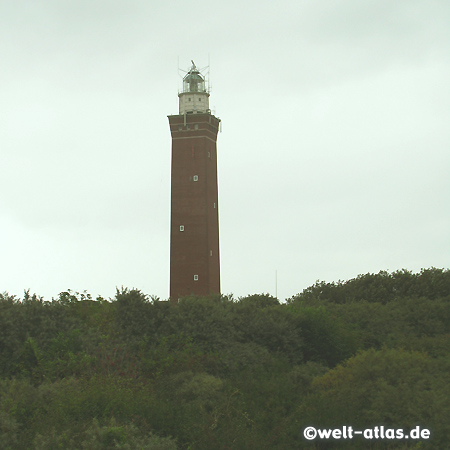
x: 194, y: 205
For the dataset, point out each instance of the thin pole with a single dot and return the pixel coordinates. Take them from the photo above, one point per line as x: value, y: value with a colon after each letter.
x: 276, y: 284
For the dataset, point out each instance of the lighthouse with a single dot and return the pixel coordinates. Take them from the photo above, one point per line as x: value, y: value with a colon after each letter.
x: 194, y: 222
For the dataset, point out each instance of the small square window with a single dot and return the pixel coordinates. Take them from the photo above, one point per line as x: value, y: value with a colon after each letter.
x: 180, y: 127
x: 195, y: 177
x: 181, y: 227
x: 200, y: 99
x: 189, y: 99
x: 195, y: 277
x: 196, y: 126
x: 188, y: 127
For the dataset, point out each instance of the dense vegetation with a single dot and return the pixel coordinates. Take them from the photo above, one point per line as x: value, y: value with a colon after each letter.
x: 138, y: 373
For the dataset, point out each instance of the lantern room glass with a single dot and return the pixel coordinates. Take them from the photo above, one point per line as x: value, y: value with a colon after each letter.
x: 193, y: 82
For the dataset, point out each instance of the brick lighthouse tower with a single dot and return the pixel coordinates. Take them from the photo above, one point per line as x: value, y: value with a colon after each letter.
x: 194, y: 224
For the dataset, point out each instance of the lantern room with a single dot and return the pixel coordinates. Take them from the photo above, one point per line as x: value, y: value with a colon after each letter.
x: 194, y: 81
x: 194, y: 98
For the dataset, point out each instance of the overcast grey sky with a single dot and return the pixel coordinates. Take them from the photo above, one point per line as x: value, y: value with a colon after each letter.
x: 333, y: 161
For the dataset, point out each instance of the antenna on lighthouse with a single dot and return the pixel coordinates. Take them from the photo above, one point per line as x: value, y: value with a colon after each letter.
x: 209, y: 76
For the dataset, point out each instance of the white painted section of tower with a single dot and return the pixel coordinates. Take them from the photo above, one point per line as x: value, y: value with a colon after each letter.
x: 193, y: 102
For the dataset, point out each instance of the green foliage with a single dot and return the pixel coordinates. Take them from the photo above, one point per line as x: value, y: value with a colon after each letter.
x: 219, y: 373
x: 259, y: 300
x: 271, y: 327
x: 391, y: 387
x: 132, y: 312
x: 8, y: 431
x: 326, y: 338
x: 409, y: 323
x: 382, y: 287
x: 110, y: 436
x: 173, y: 354
x: 28, y: 330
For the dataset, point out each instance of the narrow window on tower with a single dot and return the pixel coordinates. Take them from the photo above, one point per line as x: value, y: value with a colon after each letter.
x: 196, y: 126
x: 210, y: 253
x: 181, y: 227
x: 195, y: 177
x: 214, y: 206
x: 195, y: 277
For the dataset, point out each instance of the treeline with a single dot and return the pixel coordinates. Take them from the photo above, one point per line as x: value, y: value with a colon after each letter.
x: 138, y: 373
